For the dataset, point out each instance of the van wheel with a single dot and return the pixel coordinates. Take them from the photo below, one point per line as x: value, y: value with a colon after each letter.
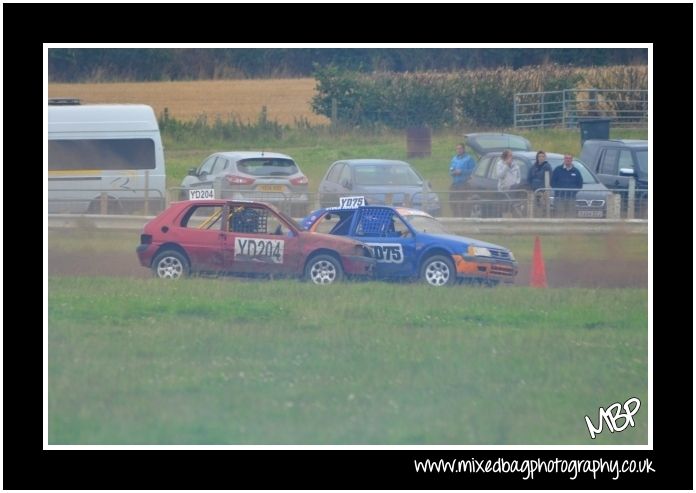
x: 113, y: 206
x: 438, y: 270
x: 323, y: 269
x: 170, y: 264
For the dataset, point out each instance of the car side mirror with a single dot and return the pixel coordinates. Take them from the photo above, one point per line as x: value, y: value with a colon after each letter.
x: 347, y: 184
x: 192, y: 172
x: 627, y: 172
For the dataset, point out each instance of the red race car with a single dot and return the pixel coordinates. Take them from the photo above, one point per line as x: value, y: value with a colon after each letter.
x: 248, y: 238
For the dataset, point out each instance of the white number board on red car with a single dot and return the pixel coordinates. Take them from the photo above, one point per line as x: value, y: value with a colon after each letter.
x: 202, y: 194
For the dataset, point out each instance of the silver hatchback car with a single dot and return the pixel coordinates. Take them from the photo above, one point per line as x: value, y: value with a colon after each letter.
x: 253, y: 175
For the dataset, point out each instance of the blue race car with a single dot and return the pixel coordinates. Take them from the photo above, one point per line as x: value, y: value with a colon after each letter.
x: 409, y: 243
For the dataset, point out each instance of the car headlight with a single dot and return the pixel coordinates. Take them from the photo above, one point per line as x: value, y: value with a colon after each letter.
x: 475, y: 251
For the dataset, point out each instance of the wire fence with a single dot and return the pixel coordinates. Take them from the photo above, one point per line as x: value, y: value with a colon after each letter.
x: 626, y: 108
x: 543, y: 203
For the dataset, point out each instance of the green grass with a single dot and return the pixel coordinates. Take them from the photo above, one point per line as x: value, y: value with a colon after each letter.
x: 315, y: 150
x: 232, y: 362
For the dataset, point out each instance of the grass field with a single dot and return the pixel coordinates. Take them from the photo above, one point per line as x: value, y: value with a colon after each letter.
x: 218, y: 362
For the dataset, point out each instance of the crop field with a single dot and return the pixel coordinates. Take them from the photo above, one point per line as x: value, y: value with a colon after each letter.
x: 286, y: 100
x: 218, y: 362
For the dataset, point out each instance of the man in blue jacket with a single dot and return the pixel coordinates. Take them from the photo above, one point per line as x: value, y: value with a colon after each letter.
x: 461, y: 167
x: 569, y: 179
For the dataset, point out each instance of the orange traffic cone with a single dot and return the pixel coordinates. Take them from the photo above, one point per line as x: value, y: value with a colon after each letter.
x: 538, y: 274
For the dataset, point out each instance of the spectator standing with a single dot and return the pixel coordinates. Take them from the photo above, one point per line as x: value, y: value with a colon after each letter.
x: 507, y: 172
x: 568, y: 178
x: 536, y: 178
x: 461, y: 167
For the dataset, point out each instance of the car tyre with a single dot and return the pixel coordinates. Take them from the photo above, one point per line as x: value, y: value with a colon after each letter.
x: 323, y: 269
x: 474, y: 208
x: 438, y: 270
x: 171, y: 264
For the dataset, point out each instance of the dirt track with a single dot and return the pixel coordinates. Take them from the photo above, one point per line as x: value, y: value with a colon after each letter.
x: 603, y: 273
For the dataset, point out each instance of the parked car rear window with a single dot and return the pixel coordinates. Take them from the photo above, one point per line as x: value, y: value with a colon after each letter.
x: 386, y: 175
x: 586, y: 175
x: 267, y: 166
x: 502, y: 142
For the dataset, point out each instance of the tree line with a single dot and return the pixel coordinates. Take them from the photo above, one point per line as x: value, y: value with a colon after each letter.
x: 152, y: 64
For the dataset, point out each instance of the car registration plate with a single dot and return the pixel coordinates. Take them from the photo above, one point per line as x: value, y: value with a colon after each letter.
x: 271, y: 188
x: 590, y: 213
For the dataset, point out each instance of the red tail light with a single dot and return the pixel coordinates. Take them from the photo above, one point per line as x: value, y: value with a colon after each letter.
x: 238, y: 180
x: 302, y: 180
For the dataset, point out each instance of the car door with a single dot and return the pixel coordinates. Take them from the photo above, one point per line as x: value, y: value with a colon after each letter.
x: 329, y: 188
x: 392, y: 240
x: 205, y: 173
x: 258, y: 241
x: 608, y: 168
x: 201, y: 236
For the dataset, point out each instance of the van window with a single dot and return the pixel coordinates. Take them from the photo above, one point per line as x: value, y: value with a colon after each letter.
x: 104, y: 154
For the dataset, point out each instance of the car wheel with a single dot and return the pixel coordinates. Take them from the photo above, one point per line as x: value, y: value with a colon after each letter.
x: 170, y: 264
x: 438, y: 270
x: 323, y: 269
x: 475, y: 208
x: 519, y: 209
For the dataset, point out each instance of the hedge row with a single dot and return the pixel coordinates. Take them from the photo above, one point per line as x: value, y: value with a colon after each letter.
x: 482, y: 98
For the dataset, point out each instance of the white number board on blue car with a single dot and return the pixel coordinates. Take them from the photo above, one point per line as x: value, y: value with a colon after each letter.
x: 202, y: 194
x: 351, y: 202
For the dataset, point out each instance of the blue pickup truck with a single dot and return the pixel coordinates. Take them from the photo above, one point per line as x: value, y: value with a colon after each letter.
x: 409, y: 243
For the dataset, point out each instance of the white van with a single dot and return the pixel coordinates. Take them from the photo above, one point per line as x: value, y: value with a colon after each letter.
x: 104, y: 159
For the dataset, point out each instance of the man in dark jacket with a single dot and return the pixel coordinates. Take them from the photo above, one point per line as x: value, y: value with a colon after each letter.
x: 566, y: 177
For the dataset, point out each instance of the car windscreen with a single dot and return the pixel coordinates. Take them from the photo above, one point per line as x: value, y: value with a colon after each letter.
x: 291, y: 221
x: 587, y: 177
x: 267, y: 166
x: 386, y: 175
x: 487, y: 143
x: 642, y: 159
x: 425, y: 224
